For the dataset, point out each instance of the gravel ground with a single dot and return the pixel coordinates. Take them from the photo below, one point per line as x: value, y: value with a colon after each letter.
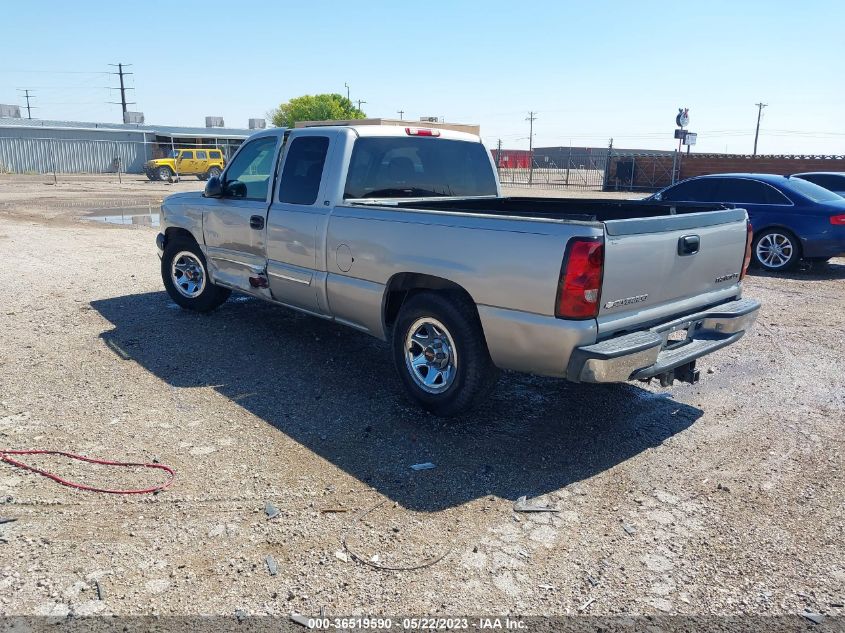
x: 721, y: 498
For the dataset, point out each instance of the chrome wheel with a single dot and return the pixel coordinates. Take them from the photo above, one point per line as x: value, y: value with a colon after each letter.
x: 430, y: 355
x: 188, y: 274
x: 775, y: 250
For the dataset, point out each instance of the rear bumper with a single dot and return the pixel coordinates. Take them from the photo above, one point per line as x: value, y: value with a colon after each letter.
x: 649, y: 353
x: 823, y: 247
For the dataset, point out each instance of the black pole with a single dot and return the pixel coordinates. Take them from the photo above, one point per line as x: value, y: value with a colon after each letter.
x: 760, y: 107
x: 122, y: 88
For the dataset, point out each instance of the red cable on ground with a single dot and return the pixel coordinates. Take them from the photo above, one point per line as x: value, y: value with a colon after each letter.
x: 4, y: 456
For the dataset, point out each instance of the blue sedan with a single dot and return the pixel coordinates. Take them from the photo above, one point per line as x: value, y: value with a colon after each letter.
x: 793, y: 219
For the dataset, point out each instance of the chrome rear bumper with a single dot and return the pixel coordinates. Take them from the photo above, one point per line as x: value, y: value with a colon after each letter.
x: 649, y: 353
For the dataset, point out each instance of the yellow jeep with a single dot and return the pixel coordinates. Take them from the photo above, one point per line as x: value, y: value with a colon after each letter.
x: 202, y: 163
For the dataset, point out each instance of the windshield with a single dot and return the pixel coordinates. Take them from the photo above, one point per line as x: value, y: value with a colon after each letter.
x: 173, y: 153
x: 409, y: 167
x: 812, y: 191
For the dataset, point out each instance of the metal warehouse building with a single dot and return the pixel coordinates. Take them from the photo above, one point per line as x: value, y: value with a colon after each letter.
x: 40, y: 146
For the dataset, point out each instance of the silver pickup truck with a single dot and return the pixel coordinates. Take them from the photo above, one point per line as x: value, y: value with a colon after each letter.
x: 402, y: 233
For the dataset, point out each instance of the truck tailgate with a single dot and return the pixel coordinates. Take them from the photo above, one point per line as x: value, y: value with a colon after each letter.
x: 658, y: 267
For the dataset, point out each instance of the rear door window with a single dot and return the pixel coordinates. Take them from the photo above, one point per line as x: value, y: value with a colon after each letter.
x: 201, y: 155
x: 303, y: 170
x: 744, y: 191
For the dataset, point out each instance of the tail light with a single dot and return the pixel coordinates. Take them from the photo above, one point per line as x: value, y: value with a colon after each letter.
x: 837, y: 220
x: 580, y: 279
x: 421, y: 131
x: 749, y: 237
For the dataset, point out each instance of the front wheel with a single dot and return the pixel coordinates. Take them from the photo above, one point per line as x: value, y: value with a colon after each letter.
x: 165, y: 173
x: 776, y: 250
x: 185, y: 276
x: 440, y: 353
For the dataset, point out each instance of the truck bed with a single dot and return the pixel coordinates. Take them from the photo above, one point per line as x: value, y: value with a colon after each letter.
x: 578, y: 209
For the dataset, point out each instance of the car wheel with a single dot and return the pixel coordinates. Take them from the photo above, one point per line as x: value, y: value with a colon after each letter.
x: 164, y: 173
x: 440, y: 353
x: 185, y: 275
x: 213, y: 172
x: 776, y: 250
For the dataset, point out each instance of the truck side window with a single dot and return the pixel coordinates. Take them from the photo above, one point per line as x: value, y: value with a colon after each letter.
x: 201, y: 155
x: 303, y: 170
x: 248, y: 175
x: 187, y: 156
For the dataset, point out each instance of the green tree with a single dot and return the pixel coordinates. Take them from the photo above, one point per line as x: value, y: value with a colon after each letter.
x: 322, y: 107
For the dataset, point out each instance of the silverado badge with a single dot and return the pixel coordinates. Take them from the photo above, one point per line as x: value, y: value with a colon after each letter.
x: 626, y: 301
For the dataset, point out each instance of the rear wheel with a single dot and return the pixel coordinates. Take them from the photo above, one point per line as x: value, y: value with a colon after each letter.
x: 776, y: 250
x: 213, y: 172
x: 440, y: 353
x: 185, y: 276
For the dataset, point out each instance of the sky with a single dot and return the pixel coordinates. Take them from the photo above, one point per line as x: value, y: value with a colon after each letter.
x: 591, y: 71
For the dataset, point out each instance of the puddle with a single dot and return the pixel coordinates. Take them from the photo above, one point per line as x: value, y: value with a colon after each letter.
x: 138, y: 216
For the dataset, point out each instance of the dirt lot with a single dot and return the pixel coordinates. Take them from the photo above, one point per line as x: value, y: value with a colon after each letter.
x: 727, y: 497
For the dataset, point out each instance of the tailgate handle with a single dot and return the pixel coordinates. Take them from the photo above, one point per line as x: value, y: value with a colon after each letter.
x: 256, y: 222
x: 688, y: 245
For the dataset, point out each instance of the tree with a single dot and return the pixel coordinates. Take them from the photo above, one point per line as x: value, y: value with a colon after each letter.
x: 322, y: 107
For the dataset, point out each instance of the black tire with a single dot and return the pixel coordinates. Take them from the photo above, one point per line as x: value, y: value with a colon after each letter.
x: 785, y: 257
x: 151, y: 175
x: 213, y: 172
x: 474, y: 375
x: 209, y: 297
x: 164, y: 173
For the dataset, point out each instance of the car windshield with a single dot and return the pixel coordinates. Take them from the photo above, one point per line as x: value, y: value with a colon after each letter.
x: 412, y: 166
x: 174, y: 153
x: 812, y: 191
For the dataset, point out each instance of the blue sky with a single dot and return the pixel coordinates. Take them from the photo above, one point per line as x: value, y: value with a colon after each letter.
x: 591, y: 70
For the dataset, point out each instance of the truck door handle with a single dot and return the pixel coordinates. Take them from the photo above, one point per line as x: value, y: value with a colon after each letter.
x: 256, y: 222
x: 688, y: 244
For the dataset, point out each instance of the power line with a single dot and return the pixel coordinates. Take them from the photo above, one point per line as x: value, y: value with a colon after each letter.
x: 760, y: 107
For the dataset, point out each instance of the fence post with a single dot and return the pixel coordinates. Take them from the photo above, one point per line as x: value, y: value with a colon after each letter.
x: 53, y: 160
x: 568, y: 163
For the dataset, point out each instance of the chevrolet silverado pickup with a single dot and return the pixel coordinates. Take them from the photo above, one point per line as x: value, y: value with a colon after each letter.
x: 402, y: 233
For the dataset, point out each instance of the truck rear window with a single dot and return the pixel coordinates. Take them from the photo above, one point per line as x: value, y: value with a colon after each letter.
x: 400, y: 167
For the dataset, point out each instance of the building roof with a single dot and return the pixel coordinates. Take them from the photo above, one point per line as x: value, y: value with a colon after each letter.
x: 161, y: 130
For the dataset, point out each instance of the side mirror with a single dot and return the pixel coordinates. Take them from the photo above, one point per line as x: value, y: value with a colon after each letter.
x: 213, y: 188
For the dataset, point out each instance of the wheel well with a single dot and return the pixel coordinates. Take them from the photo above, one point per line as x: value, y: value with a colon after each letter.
x: 175, y: 232
x: 404, y: 285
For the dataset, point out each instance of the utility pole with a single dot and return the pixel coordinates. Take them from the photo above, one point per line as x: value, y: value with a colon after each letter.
x: 346, y: 85
x: 401, y: 114
x: 531, y: 118
x: 760, y: 107
x: 27, y: 96
x: 360, y: 101
x: 121, y: 73
x: 499, y: 154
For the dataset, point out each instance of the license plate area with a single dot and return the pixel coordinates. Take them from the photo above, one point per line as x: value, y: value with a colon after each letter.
x: 678, y: 334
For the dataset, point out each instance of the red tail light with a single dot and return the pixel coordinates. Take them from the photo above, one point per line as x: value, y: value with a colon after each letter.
x: 838, y: 220
x: 749, y: 237
x: 580, y: 280
x: 421, y: 131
